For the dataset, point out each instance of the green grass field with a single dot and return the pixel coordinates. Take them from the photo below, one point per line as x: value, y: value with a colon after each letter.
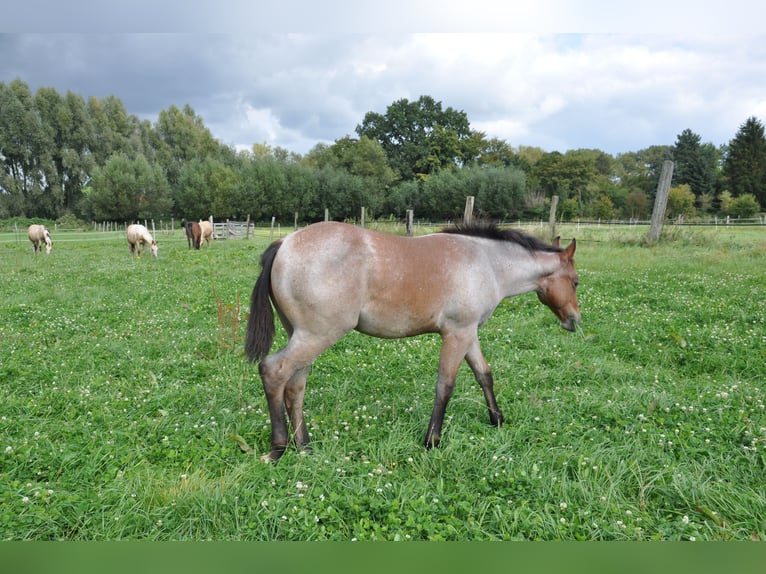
x: 123, y: 383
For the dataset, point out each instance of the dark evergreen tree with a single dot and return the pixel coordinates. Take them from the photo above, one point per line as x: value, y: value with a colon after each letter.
x: 745, y: 163
x: 695, y: 164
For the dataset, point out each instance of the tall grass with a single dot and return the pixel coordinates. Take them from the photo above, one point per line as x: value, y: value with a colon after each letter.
x: 123, y: 385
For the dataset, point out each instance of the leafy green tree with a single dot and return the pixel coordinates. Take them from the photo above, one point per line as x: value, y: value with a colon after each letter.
x: 744, y: 206
x: 641, y: 170
x: 403, y: 196
x: 637, y: 205
x: 499, y: 191
x: 112, y: 129
x: 419, y: 137
x: 564, y: 174
x: 182, y: 137
x: 680, y: 201
x: 126, y: 189
x: 444, y: 193
x: 603, y: 208
x: 494, y: 152
x: 745, y: 163
x: 258, y: 178
x: 67, y: 137
x: 209, y: 187
x: 22, y: 153
x: 364, y: 157
x: 724, y: 201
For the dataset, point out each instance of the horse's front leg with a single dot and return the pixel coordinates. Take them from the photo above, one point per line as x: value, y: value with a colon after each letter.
x: 452, y: 353
x: 483, y: 374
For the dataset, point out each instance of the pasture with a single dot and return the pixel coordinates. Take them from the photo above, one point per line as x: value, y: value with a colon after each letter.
x: 126, y: 403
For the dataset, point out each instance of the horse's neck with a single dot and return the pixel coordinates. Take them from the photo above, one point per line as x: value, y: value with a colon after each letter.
x: 520, y: 272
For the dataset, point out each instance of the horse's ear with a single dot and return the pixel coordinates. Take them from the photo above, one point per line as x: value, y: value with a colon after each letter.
x: 556, y: 241
x: 567, y: 255
x: 570, y: 250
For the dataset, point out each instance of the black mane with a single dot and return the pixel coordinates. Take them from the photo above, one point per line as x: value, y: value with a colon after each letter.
x: 490, y: 230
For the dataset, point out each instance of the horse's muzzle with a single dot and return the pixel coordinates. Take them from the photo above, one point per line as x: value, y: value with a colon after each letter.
x: 570, y: 323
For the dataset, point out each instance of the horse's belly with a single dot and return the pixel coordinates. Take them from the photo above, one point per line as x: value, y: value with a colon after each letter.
x: 395, y: 325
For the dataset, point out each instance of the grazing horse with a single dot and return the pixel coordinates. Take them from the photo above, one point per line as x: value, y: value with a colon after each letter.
x: 329, y: 278
x: 193, y: 233
x: 207, y: 231
x: 38, y: 234
x: 138, y: 236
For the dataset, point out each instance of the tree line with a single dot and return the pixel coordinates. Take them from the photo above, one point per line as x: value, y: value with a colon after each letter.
x: 63, y: 155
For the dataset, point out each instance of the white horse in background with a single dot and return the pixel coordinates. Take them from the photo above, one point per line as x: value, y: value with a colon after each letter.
x: 138, y: 235
x: 38, y: 234
x: 207, y: 232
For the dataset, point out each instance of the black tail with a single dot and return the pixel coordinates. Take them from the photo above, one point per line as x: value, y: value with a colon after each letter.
x: 260, y: 323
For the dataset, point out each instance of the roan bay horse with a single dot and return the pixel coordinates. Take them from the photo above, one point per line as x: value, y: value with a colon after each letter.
x: 138, y: 236
x: 193, y: 233
x: 38, y: 234
x: 207, y: 231
x: 329, y: 278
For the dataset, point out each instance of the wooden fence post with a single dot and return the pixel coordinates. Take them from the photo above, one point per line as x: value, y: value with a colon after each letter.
x: 661, y: 201
x: 271, y: 231
x: 468, y: 213
x: 552, y: 216
x: 363, y: 213
x: 326, y: 214
x: 408, y: 223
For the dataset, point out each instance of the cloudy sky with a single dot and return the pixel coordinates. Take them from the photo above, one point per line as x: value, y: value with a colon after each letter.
x: 558, y: 75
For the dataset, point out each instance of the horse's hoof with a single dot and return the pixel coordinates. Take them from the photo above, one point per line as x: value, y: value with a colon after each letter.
x: 274, y: 454
x: 433, y: 443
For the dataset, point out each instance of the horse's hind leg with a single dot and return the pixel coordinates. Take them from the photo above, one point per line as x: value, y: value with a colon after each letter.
x: 483, y: 374
x: 294, y: 392
x: 274, y: 388
x: 284, y: 382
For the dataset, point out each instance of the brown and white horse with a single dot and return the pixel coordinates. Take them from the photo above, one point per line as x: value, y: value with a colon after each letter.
x: 207, y: 231
x: 138, y: 236
x: 38, y: 234
x: 330, y: 278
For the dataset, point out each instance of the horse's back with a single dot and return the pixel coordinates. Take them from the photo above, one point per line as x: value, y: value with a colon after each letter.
x: 137, y: 232
x: 381, y: 284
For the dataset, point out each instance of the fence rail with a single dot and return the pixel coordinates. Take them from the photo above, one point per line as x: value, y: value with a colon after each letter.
x: 230, y: 229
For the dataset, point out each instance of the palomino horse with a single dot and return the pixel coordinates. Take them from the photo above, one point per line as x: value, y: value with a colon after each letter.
x: 38, y: 234
x: 330, y: 278
x: 207, y: 231
x: 138, y: 236
x: 193, y: 233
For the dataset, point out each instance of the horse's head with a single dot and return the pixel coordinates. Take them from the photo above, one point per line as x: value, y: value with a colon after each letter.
x: 558, y: 290
x: 154, y: 249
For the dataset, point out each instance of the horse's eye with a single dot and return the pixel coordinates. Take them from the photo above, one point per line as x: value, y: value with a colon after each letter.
x: 575, y: 283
